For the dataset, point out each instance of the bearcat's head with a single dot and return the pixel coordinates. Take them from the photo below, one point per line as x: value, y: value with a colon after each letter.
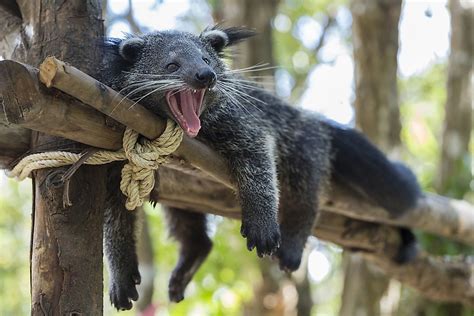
x: 174, y: 74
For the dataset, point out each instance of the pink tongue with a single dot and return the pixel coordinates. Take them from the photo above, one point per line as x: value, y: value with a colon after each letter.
x: 189, y: 107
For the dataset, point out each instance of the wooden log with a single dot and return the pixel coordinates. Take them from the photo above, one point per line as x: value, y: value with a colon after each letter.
x: 27, y: 103
x: 377, y: 242
x: 58, y: 115
x: 206, y: 194
x: 446, y: 217
x: 57, y: 74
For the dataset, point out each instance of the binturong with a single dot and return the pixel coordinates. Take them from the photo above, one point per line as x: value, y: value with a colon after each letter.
x: 281, y: 158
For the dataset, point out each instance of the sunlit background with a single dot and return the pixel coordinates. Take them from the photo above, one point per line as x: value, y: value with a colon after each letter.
x: 226, y: 281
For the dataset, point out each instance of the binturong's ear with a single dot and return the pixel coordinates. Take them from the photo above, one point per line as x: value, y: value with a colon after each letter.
x: 130, y: 48
x: 220, y: 38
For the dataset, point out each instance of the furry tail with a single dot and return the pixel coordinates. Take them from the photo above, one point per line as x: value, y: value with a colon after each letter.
x: 359, y: 164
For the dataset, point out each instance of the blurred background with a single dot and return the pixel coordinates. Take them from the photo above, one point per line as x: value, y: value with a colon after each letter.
x: 399, y: 71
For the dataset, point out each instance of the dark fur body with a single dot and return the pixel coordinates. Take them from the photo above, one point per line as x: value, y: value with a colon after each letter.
x: 280, y: 158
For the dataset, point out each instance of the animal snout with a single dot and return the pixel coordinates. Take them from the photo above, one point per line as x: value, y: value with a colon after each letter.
x: 206, y: 77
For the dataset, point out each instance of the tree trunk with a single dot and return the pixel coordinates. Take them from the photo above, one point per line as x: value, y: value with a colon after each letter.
x: 454, y: 174
x: 257, y: 15
x: 359, y: 274
x: 375, y: 41
x: 66, y: 246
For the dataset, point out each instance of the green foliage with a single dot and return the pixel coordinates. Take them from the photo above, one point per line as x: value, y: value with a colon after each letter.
x: 421, y: 108
x: 223, y: 284
x: 422, y: 99
x: 15, y: 226
x: 290, y: 52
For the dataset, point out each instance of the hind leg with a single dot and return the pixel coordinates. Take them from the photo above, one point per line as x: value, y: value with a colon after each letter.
x: 190, y: 230
x: 297, y: 216
x: 297, y: 209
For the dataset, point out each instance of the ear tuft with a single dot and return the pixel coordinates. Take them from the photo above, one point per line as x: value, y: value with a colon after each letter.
x: 130, y: 48
x: 220, y: 38
x: 217, y: 38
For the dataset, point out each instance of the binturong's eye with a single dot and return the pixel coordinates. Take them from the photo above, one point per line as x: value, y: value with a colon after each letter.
x: 172, y: 67
x: 207, y: 61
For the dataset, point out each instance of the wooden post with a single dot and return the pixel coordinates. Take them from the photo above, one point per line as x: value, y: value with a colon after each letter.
x: 66, y: 250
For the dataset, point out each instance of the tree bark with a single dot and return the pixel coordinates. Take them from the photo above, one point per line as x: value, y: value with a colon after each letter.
x: 66, y: 258
x: 375, y: 41
x: 438, y: 278
x: 253, y: 14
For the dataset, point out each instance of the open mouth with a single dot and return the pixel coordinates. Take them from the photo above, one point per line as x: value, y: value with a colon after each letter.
x: 186, y: 108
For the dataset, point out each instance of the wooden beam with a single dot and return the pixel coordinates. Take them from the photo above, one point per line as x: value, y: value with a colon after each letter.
x: 196, y: 191
x: 72, y: 119
x: 377, y: 242
x: 57, y: 74
x: 27, y: 103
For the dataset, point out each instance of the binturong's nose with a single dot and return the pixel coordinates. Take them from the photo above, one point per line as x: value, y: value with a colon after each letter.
x: 206, y: 77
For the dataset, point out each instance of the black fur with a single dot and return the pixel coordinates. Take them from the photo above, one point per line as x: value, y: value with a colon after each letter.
x: 119, y: 242
x: 280, y: 158
x: 190, y: 230
x: 358, y: 163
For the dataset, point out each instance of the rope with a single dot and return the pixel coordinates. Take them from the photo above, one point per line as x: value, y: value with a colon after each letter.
x: 138, y: 176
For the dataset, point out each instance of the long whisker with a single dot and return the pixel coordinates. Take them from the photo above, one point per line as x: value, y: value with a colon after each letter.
x: 142, y: 85
x: 240, y: 92
x: 153, y: 91
x: 236, y: 99
x: 232, y: 99
x: 250, y: 69
x: 250, y: 84
x: 152, y: 86
x: 151, y: 75
x: 155, y: 85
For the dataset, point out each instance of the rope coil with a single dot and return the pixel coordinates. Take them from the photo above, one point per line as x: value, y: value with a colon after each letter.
x: 138, y: 175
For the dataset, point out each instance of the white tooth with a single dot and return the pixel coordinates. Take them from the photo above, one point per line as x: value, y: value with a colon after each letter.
x: 194, y: 91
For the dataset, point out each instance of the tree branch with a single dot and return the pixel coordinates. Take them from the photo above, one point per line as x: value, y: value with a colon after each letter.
x: 436, y: 278
x: 182, y: 186
x: 57, y: 115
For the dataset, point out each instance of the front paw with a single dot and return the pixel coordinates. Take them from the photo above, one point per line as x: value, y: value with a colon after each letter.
x: 123, y: 289
x: 263, y: 236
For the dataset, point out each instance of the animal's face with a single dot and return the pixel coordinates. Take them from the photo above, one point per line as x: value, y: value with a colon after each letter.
x: 177, y: 74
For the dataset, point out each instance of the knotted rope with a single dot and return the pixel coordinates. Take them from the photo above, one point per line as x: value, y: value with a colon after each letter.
x: 138, y: 176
